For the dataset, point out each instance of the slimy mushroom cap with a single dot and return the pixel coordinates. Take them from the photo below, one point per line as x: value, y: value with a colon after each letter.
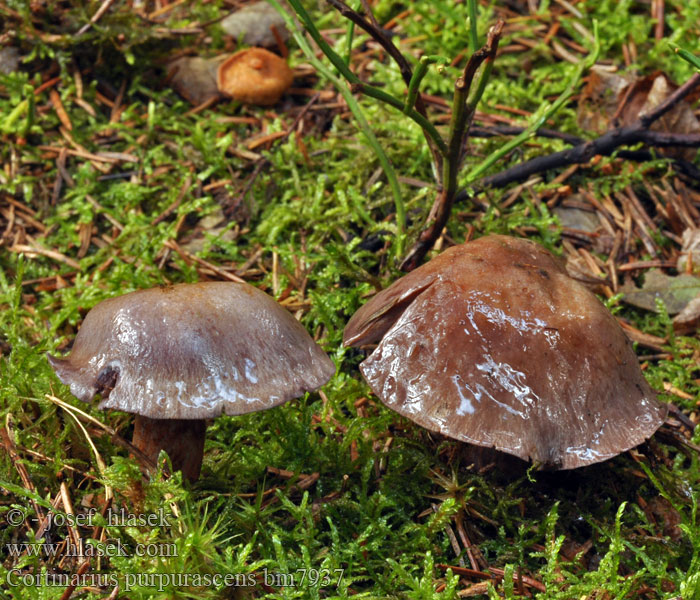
x: 192, y: 351
x: 492, y: 343
x: 180, y: 354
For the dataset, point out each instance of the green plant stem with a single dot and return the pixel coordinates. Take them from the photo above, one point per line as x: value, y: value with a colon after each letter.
x: 356, y: 83
x: 349, y: 36
x: 688, y: 56
x: 418, y: 75
x: 354, y: 107
x: 464, y: 107
x: 540, y: 118
x: 473, y: 35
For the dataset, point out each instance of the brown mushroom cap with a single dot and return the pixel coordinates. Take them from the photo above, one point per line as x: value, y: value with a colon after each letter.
x: 493, y: 343
x: 254, y: 76
x: 192, y: 351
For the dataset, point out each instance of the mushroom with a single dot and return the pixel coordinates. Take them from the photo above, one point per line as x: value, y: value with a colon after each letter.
x: 254, y: 76
x: 492, y: 343
x: 177, y: 355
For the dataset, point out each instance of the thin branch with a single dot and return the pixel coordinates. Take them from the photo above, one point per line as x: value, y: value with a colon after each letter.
x: 350, y: 100
x: 498, y: 130
x: 464, y: 107
x: 356, y: 85
x: 96, y: 17
x: 606, y: 144
x: 660, y: 110
x: 369, y: 13
x: 440, y: 211
x: 373, y: 29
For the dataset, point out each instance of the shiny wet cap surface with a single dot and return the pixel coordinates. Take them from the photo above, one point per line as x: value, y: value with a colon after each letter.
x: 493, y: 343
x: 192, y: 351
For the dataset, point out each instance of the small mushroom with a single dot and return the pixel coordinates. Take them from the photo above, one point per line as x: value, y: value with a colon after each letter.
x: 492, y: 343
x: 254, y: 76
x: 177, y: 355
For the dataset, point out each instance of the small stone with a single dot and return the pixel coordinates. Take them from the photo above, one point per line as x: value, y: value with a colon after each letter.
x: 252, y: 25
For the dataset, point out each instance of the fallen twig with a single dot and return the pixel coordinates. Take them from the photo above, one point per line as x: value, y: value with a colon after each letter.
x: 96, y: 17
x: 606, y: 144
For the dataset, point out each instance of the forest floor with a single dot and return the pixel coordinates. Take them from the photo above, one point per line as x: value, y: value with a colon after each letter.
x: 111, y: 182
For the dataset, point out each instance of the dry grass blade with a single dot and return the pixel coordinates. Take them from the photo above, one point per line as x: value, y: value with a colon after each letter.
x: 74, y: 412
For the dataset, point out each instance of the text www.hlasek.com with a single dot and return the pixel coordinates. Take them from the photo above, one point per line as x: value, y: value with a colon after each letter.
x: 83, y: 549
x: 159, y: 581
x: 86, y: 549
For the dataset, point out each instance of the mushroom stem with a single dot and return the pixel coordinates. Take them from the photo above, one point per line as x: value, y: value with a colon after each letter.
x: 182, y: 440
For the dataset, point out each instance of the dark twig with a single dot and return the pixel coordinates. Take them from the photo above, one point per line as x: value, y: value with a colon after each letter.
x: 372, y: 28
x: 370, y: 15
x: 651, y: 138
x: 500, y: 130
x: 606, y: 144
x: 660, y: 110
x: 687, y: 168
x: 463, y: 109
